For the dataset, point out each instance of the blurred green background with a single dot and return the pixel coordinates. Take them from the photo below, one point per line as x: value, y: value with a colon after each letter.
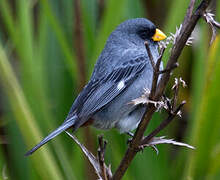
x: 47, y: 52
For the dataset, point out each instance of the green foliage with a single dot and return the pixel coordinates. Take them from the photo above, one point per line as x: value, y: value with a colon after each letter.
x: 205, y: 133
x: 39, y: 81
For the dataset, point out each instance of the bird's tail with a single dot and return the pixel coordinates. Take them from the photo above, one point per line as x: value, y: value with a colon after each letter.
x: 67, y: 124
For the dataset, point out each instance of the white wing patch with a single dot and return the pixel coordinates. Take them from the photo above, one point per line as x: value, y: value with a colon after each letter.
x: 121, y: 84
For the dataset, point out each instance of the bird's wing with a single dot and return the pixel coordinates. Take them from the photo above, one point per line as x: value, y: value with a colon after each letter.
x: 100, y: 91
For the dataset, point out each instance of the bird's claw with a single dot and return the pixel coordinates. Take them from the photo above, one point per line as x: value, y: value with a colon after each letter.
x: 130, y: 134
x: 129, y: 139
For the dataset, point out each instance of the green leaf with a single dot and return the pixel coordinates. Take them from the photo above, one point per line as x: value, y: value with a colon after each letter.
x: 25, y: 119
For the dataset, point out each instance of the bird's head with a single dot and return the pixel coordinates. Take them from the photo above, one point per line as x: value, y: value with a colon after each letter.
x: 140, y: 30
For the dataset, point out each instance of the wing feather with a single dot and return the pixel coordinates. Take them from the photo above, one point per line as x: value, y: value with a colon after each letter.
x: 99, y: 92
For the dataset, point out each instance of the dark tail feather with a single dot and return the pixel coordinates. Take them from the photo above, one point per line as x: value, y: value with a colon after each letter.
x: 67, y: 124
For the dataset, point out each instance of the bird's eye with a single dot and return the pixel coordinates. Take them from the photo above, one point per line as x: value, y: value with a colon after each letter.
x: 146, y: 34
x: 143, y: 34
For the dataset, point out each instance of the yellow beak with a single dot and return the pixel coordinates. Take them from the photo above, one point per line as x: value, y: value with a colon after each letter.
x: 159, y: 35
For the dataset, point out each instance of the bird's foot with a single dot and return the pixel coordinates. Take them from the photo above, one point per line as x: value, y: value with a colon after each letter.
x: 130, y: 134
x: 129, y: 139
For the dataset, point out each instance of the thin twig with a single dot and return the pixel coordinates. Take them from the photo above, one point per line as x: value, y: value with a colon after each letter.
x: 156, y: 68
x: 101, y: 156
x: 163, y: 124
x: 160, y: 57
x: 169, y: 69
x: 150, y: 56
x: 176, y: 91
x: 156, y: 73
x: 190, y: 9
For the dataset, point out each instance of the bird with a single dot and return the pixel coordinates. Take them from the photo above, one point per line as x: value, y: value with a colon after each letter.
x: 121, y: 73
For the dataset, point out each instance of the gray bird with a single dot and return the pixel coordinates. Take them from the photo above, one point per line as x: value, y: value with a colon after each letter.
x: 120, y: 75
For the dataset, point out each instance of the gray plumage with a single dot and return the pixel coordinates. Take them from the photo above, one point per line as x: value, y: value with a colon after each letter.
x: 120, y: 75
